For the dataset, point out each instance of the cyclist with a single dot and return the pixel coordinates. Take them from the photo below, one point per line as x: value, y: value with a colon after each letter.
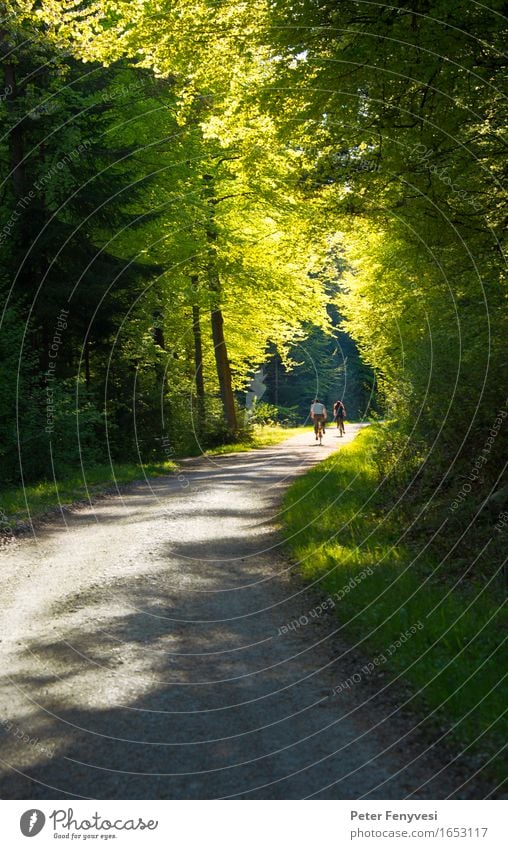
x: 318, y: 414
x: 339, y: 414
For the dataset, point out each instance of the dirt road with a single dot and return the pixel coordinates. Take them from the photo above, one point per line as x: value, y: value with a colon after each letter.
x: 142, y: 655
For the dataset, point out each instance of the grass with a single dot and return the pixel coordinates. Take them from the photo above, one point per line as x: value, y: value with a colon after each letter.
x: 338, y: 529
x: 71, y: 487
x: 262, y: 437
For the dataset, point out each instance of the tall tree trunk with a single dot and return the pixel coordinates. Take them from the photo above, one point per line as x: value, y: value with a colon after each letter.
x: 198, y: 354
x: 223, y: 369
x: 217, y: 320
x: 221, y: 352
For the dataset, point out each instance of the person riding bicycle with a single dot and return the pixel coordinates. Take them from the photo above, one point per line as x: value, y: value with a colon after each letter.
x: 339, y: 414
x: 339, y: 411
x: 318, y: 414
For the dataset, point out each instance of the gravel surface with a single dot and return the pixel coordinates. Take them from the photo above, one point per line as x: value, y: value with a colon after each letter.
x: 144, y: 656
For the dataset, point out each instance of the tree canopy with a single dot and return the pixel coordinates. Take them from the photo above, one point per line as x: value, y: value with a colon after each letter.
x: 233, y: 151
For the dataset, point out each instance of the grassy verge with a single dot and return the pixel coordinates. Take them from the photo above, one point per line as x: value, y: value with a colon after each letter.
x: 71, y: 487
x: 383, y: 587
x: 262, y: 437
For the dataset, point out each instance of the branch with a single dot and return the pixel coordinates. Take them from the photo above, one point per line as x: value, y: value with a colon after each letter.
x: 214, y: 201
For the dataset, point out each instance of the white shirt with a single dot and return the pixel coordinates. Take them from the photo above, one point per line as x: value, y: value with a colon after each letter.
x: 317, y: 409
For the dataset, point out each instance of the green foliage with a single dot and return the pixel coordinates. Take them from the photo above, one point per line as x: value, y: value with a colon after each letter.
x: 141, y: 203
x: 302, y: 168
x: 325, y: 366
x: 270, y: 414
x: 314, y: 173
x: 403, y: 156
x: 65, y: 182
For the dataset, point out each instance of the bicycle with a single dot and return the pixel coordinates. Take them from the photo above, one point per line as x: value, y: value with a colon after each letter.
x: 319, y: 428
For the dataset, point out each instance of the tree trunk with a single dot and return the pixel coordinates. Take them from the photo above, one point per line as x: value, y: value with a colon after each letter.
x: 223, y: 369
x: 198, y: 355
x: 219, y: 342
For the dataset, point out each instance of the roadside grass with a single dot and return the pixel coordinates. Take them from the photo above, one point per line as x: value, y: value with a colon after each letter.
x: 336, y: 526
x: 262, y: 437
x: 71, y: 486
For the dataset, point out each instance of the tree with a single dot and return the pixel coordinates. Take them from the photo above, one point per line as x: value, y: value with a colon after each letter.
x: 231, y: 243
x: 400, y: 124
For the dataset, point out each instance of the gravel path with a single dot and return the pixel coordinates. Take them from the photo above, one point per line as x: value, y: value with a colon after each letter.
x: 142, y: 641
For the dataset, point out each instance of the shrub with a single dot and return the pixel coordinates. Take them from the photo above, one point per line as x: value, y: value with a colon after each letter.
x: 270, y: 414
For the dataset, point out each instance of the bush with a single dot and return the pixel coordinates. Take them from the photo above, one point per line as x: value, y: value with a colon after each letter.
x: 270, y: 414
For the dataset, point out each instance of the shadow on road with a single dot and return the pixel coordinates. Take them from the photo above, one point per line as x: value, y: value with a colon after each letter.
x: 154, y: 660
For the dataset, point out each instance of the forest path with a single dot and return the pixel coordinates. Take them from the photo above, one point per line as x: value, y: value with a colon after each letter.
x: 143, y: 655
